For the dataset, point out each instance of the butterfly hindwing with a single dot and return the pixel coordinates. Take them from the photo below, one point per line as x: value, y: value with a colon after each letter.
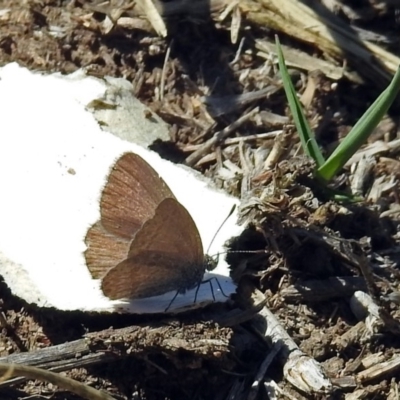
x: 165, y: 255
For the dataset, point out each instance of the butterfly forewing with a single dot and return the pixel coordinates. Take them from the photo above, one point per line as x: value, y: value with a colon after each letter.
x: 165, y: 255
x: 131, y: 195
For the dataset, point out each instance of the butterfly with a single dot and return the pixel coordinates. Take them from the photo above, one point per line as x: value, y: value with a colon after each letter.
x: 145, y: 243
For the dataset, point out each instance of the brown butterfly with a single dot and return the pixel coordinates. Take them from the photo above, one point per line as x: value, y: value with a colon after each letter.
x: 146, y: 243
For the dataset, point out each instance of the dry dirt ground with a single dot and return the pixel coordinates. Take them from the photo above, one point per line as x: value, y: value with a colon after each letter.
x: 307, y: 239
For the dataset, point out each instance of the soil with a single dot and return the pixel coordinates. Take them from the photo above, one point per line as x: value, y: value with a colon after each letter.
x: 303, y: 239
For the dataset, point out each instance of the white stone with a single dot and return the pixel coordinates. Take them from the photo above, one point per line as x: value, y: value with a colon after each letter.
x: 54, y: 159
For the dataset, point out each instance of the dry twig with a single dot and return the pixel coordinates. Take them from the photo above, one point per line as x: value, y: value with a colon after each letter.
x: 85, y: 391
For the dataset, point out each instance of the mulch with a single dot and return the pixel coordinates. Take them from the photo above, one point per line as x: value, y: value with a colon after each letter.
x: 311, y: 253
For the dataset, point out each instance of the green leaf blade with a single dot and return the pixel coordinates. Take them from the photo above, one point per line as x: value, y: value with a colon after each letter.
x: 307, y: 138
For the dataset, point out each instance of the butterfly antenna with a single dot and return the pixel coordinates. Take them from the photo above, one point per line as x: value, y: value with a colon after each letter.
x: 220, y: 227
x: 211, y: 262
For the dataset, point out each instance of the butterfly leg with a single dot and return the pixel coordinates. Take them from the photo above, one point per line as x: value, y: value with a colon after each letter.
x: 173, y: 299
x: 198, y: 287
x: 209, y: 281
x: 220, y: 288
x: 197, y: 292
x: 211, y: 288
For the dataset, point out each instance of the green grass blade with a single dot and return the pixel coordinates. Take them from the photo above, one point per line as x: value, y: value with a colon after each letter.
x: 361, y: 130
x: 307, y: 138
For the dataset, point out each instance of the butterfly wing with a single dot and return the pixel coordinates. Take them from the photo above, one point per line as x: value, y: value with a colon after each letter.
x: 130, y: 197
x: 104, y: 250
x: 165, y: 255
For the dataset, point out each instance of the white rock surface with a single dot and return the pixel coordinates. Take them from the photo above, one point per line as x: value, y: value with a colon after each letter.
x: 54, y: 159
